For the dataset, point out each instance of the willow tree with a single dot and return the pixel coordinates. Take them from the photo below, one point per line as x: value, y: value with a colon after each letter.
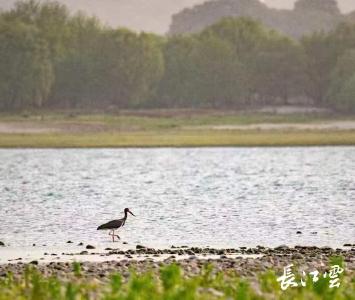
x: 244, y: 34
x: 277, y: 70
x: 78, y: 73
x: 49, y: 17
x: 177, y: 87
x: 26, y: 73
x: 106, y: 67
x: 248, y: 39
x: 320, y: 58
x: 340, y: 92
x: 345, y: 100
x: 220, y: 80
x: 132, y: 66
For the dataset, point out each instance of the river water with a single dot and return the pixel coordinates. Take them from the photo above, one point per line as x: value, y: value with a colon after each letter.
x: 222, y: 197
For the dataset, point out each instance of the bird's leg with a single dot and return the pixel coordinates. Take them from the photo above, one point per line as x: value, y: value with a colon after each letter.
x: 115, y: 235
x: 112, y: 234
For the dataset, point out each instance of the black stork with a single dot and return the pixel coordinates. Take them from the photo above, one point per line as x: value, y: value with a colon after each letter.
x: 115, y: 224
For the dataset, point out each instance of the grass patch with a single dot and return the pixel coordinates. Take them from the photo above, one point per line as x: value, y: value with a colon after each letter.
x: 178, y: 138
x: 172, y: 120
x: 166, y: 129
x: 169, y: 283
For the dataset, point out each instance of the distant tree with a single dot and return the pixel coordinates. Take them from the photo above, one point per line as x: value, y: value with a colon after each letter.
x: 343, y: 37
x: 345, y: 99
x: 340, y: 77
x: 220, y: 80
x: 320, y: 59
x: 49, y: 17
x: 328, y: 56
x: 177, y: 87
x: 79, y: 72
x: 244, y: 34
x: 201, y: 70
x: 106, y: 67
x: 277, y: 70
x: 26, y: 73
x: 272, y: 64
x: 135, y: 68
x: 50, y: 57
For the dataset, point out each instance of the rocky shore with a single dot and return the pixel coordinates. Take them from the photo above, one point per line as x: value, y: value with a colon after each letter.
x: 246, y: 262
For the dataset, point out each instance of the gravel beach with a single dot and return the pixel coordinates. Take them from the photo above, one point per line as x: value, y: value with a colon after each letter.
x: 246, y: 262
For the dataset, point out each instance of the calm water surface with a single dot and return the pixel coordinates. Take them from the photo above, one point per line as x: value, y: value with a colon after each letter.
x: 216, y: 197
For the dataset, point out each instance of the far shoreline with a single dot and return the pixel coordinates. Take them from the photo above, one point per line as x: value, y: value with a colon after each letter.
x: 118, y: 252
x: 180, y: 139
x: 176, y: 129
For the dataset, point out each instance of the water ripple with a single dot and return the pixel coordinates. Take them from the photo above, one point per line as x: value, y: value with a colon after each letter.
x: 218, y: 197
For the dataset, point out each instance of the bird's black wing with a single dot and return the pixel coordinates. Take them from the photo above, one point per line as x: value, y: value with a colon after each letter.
x: 111, y: 225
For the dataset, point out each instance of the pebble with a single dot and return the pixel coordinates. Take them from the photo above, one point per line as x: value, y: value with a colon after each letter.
x: 297, y: 256
x: 2, y: 244
x: 90, y: 247
x: 282, y: 247
x: 306, y: 257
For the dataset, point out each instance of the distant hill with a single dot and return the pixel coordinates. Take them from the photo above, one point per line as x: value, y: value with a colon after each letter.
x: 153, y: 15
x: 148, y: 15
x: 351, y: 17
x: 307, y: 16
x: 346, y: 6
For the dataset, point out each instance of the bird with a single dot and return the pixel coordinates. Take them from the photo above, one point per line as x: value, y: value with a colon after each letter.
x: 115, y: 224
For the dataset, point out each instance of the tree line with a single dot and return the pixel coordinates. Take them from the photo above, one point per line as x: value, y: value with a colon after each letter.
x: 53, y: 59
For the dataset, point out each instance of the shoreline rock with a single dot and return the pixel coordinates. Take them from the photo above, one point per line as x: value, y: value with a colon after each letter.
x: 194, y: 260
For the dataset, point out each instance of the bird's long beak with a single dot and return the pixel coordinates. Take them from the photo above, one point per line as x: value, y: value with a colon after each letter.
x: 131, y: 213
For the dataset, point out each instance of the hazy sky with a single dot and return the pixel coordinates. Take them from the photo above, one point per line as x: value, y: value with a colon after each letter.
x: 150, y: 15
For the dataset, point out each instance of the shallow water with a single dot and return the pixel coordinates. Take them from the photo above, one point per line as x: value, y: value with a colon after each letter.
x: 222, y: 197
